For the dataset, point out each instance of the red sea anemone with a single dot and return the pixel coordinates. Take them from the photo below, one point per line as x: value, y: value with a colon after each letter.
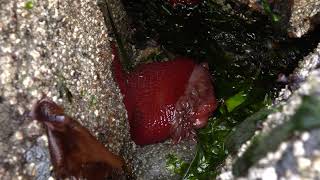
x: 166, y: 99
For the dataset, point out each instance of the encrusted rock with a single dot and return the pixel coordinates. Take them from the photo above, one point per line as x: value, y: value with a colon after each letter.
x: 60, y: 49
x: 150, y: 161
x: 305, y: 15
x: 296, y: 157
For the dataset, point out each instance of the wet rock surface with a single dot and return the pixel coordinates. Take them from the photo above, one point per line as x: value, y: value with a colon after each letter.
x: 297, y: 156
x: 150, y: 161
x: 305, y: 15
x: 60, y: 49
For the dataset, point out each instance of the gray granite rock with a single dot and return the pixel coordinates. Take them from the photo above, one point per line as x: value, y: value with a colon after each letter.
x: 61, y: 49
x: 305, y: 15
x: 150, y: 161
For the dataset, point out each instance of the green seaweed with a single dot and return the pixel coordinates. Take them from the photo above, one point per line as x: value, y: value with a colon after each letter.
x: 93, y: 101
x: 176, y: 165
x: 217, y: 139
x: 210, y: 151
x: 29, y: 4
x: 235, y: 101
x: 266, y: 6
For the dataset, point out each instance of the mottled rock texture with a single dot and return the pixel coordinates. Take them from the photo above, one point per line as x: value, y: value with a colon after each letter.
x: 305, y: 15
x: 150, y: 161
x: 61, y: 49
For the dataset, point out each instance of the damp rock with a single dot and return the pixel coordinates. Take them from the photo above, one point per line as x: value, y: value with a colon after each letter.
x: 60, y: 49
x: 287, y: 145
x: 151, y: 161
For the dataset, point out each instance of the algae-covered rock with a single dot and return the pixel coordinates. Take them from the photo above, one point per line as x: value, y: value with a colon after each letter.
x: 285, y: 145
x: 296, y: 17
